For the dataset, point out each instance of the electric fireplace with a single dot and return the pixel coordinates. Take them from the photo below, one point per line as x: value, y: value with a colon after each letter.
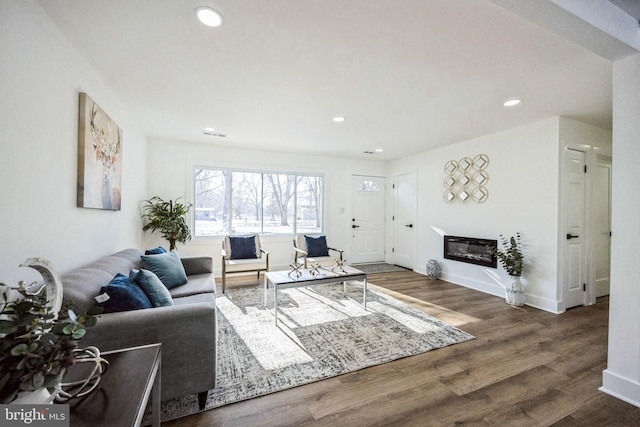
x: 471, y: 250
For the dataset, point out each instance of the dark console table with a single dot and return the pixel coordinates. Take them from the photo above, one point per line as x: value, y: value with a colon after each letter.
x: 124, y: 390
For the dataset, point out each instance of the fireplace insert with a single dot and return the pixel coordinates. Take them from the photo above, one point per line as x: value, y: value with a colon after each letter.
x: 471, y: 250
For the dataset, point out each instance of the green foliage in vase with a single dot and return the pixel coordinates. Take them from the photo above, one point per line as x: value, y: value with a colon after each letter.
x: 36, y: 346
x: 168, y: 218
x: 511, y: 258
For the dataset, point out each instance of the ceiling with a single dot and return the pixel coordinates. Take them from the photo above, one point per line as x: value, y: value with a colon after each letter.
x: 408, y: 76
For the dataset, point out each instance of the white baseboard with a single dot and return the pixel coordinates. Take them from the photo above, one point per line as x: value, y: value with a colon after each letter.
x: 497, y: 290
x: 620, y: 387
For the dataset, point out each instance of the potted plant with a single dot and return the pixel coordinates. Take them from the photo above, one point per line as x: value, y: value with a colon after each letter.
x: 512, y: 260
x: 37, y: 345
x: 167, y: 217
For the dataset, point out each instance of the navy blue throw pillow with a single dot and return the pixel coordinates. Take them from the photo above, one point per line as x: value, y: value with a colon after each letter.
x: 316, y: 246
x: 122, y: 295
x: 243, y: 247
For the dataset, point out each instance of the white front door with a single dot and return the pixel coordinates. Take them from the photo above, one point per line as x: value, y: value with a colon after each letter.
x: 404, y: 220
x: 574, y: 192
x: 367, y: 221
x: 601, y: 224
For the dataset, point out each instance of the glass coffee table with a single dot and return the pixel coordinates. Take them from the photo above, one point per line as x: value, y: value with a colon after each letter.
x: 286, y: 280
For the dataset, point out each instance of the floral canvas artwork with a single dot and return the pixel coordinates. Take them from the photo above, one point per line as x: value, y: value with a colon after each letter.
x: 99, y: 158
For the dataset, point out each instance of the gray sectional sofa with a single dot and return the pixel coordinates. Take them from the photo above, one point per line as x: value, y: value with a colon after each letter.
x: 187, y: 330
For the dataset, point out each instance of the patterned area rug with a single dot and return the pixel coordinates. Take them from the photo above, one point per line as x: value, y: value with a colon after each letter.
x: 381, y: 267
x: 321, y: 333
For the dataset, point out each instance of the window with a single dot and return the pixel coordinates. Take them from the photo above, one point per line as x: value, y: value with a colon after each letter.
x: 238, y: 202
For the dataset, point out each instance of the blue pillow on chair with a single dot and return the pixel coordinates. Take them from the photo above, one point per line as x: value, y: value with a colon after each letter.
x: 155, y: 251
x: 243, y: 247
x: 316, y: 246
x: 122, y: 295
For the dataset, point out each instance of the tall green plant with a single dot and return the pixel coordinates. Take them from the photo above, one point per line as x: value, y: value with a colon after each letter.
x: 167, y: 217
x: 511, y: 258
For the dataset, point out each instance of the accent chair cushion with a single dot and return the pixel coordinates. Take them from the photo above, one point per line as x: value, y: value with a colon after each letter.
x: 156, y: 291
x: 316, y: 246
x: 243, y: 247
x: 167, y: 267
x: 122, y: 295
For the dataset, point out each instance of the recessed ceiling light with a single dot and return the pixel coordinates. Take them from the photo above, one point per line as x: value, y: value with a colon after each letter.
x: 209, y: 130
x: 512, y: 102
x: 339, y: 119
x: 379, y: 150
x: 208, y: 16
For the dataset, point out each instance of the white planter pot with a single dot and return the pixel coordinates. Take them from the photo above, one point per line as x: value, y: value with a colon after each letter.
x: 514, y: 292
x: 36, y: 397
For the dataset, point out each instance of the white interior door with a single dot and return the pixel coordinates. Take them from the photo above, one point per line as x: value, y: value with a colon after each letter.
x: 574, y: 192
x: 601, y: 224
x: 404, y: 220
x: 367, y: 221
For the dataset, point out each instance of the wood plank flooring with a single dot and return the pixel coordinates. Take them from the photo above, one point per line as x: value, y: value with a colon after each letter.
x: 526, y: 367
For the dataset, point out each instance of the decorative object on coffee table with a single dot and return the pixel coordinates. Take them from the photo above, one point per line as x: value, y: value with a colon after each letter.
x: 433, y: 269
x: 167, y: 217
x: 85, y: 385
x: 38, y: 340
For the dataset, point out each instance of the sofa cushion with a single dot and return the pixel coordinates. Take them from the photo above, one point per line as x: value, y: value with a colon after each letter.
x: 122, y: 295
x: 167, y: 267
x: 153, y: 287
x: 243, y: 247
x: 198, y: 284
x: 316, y: 246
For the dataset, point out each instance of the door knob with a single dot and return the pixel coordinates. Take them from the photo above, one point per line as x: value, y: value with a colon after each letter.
x: 571, y: 236
x: 355, y: 226
x: 409, y: 225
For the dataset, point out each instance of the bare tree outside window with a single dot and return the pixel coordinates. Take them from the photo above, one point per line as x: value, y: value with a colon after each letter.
x: 241, y: 202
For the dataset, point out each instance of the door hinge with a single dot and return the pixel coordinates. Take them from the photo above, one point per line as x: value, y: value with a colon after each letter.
x: 585, y: 168
x: 393, y: 249
x: 393, y: 218
x: 584, y: 287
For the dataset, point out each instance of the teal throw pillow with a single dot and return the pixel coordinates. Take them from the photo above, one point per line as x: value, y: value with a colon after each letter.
x: 167, y: 267
x: 122, y: 295
x: 316, y: 246
x: 153, y: 287
x: 243, y: 247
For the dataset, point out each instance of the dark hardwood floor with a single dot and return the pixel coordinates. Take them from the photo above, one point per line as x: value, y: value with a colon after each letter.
x: 526, y: 367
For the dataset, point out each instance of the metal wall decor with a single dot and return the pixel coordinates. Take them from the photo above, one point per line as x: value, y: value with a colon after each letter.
x: 466, y: 179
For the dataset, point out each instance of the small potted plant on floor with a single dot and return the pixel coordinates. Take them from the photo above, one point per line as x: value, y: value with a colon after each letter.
x: 167, y: 217
x: 37, y: 345
x: 512, y: 260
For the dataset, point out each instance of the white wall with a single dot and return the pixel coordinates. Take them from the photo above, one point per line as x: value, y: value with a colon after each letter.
x: 170, y: 166
x: 41, y: 75
x: 622, y: 376
x: 523, y: 197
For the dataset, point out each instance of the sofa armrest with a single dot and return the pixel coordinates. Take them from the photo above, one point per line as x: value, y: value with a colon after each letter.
x: 197, y: 265
x: 185, y: 331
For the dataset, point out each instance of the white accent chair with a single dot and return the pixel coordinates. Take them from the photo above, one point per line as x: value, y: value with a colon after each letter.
x: 302, y: 256
x: 243, y: 264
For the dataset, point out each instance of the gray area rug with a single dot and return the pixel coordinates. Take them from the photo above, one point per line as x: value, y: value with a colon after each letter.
x: 381, y: 267
x: 321, y: 333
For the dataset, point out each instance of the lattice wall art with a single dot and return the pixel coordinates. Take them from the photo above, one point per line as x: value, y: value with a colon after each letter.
x: 466, y: 179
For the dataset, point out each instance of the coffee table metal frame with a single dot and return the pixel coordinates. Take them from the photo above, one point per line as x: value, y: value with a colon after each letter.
x: 283, y: 280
